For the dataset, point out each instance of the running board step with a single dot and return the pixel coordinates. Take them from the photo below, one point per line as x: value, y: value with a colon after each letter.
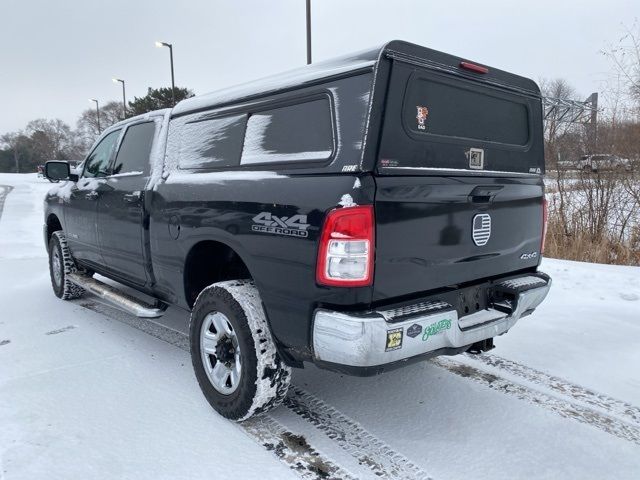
x: 117, y: 298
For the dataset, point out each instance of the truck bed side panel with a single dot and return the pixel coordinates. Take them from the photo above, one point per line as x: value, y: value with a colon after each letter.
x: 283, y: 266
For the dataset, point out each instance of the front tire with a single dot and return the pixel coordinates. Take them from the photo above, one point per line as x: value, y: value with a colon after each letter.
x: 234, y: 356
x: 61, y: 264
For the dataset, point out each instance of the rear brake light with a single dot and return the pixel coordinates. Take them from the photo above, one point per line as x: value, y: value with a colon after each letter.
x: 473, y: 67
x: 345, y: 255
x: 545, y: 220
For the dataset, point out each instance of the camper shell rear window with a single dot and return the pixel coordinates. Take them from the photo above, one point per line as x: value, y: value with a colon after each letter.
x: 300, y: 132
x: 446, y: 110
x: 441, y: 121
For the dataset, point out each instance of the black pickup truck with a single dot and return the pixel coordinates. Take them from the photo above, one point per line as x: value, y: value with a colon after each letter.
x: 360, y: 214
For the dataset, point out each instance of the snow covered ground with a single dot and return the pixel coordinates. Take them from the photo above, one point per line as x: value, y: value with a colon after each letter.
x: 85, y: 395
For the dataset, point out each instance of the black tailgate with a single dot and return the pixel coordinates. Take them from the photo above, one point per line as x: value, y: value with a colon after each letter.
x: 459, y: 185
x: 424, y: 236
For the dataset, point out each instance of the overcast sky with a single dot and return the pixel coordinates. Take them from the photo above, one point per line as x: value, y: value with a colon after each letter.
x: 54, y: 55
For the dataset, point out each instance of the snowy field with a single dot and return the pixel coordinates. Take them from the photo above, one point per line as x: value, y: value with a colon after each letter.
x: 88, y: 392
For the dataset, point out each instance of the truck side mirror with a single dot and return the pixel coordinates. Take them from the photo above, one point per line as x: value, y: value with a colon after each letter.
x: 56, y: 170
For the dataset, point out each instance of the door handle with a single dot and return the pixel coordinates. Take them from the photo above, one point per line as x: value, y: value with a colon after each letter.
x: 93, y: 195
x: 484, y: 194
x: 132, y: 197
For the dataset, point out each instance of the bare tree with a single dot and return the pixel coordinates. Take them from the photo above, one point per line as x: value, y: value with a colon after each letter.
x: 595, y: 215
x: 561, y: 140
x: 42, y: 140
x: 624, y: 101
x: 554, y: 127
x: 18, y: 143
x: 625, y: 57
x: 87, y: 125
x: 53, y: 139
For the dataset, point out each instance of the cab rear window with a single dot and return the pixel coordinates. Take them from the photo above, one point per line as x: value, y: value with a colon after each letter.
x: 456, y: 110
x: 212, y: 143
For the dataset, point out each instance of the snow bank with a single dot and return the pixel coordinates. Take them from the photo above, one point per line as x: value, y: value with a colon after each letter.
x: 585, y: 329
x: 83, y: 396
x: 23, y: 216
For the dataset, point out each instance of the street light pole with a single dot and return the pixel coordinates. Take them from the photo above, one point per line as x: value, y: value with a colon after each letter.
x: 124, y: 97
x: 173, y: 82
x: 97, y: 113
x: 308, y: 32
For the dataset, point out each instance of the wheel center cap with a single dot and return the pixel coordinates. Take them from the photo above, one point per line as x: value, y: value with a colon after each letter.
x: 224, y: 350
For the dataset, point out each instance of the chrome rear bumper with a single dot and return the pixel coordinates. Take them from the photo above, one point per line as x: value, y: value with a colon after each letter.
x: 374, y: 338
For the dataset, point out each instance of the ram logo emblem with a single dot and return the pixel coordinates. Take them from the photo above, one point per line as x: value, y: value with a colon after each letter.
x: 481, y: 231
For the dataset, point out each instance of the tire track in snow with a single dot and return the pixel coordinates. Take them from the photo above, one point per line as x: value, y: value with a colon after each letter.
x: 564, y: 408
x: 4, y: 191
x: 367, y: 449
x: 294, y: 450
x: 623, y: 410
x: 145, y: 325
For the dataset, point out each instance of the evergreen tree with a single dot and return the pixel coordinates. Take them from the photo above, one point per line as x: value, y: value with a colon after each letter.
x: 157, y: 98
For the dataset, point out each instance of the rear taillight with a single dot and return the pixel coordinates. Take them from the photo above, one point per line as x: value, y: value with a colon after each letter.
x: 345, y: 255
x: 545, y: 219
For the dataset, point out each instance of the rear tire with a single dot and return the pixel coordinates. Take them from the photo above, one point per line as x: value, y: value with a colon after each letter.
x: 61, y: 264
x: 234, y: 356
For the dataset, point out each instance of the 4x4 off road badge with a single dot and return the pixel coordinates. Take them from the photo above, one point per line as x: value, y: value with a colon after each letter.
x: 421, y: 116
x: 295, y: 226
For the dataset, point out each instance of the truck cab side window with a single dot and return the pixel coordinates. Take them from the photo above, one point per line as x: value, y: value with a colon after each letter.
x: 135, y: 149
x: 97, y: 163
x: 295, y: 133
